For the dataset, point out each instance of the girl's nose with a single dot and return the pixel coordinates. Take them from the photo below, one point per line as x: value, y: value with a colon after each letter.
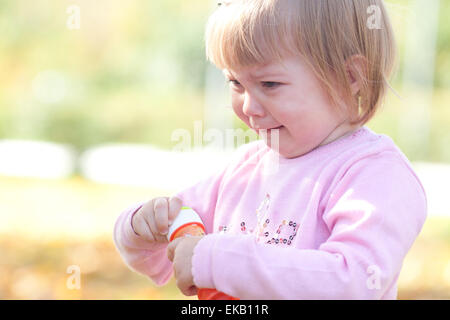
x: 251, y: 107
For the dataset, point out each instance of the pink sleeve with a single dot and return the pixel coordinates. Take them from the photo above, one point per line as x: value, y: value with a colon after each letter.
x: 375, y: 213
x: 140, y: 255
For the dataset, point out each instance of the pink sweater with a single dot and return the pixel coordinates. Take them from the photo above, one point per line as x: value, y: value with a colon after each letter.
x: 335, y: 223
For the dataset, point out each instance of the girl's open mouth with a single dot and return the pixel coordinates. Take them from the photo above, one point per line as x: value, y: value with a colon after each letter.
x: 277, y: 128
x: 269, y: 131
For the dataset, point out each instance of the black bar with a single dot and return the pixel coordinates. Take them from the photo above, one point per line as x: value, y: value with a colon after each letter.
x: 192, y: 309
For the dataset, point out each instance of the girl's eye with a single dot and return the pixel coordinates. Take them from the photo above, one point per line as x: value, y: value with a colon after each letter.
x: 270, y: 84
x: 234, y: 82
x: 266, y: 84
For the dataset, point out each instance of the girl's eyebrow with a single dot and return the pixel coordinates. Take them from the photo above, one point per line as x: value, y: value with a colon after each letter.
x: 257, y: 75
x: 266, y: 74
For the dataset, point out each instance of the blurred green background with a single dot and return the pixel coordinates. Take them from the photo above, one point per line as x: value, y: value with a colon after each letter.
x: 133, y: 72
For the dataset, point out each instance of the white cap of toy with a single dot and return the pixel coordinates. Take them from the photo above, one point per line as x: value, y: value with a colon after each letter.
x: 185, y: 217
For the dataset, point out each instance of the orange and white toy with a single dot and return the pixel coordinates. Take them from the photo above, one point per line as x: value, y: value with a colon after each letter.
x: 189, y: 223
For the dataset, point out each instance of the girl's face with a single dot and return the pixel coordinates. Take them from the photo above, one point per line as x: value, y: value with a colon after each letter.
x: 288, y: 97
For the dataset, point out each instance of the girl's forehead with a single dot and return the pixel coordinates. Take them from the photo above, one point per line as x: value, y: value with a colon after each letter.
x: 258, y: 71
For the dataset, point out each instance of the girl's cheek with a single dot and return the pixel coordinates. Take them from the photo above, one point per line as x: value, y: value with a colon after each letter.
x: 237, y: 103
x: 286, y: 112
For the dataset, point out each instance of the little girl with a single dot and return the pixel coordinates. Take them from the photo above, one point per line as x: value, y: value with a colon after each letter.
x: 343, y: 206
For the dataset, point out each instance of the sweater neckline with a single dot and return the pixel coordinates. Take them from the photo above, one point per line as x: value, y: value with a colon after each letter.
x: 327, y: 148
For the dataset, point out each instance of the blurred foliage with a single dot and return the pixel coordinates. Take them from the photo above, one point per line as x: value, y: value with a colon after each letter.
x: 35, y: 270
x: 135, y: 71
x: 442, y: 78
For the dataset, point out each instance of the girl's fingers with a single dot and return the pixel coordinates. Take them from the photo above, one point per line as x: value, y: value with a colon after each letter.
x: 150, y: 220
x: 161, y: 208
x: 175, y: 205
x: 185, y: 285
x: 172, y: 247
x: 142, y: 229
x: 192, y: 291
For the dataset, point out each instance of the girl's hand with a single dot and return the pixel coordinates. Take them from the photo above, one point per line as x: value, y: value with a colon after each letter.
x: 180, y: 252
x: 152, y: 220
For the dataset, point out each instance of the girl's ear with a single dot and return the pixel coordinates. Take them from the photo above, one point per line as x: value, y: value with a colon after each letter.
x: 356, y: 67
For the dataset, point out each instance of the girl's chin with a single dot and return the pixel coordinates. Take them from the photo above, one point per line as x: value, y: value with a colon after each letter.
x: 274, y: 145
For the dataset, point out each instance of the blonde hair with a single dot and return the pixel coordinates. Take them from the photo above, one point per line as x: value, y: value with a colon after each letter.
x: 326, y: 33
